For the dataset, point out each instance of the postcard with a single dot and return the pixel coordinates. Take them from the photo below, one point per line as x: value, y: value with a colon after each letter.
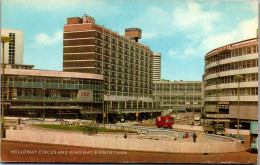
x: 144, y: 81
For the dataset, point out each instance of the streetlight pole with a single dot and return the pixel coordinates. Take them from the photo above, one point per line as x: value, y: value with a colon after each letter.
x: 4, y: 39
x: 239, y: 78
x: 43, y: 118
x: 103, y: 104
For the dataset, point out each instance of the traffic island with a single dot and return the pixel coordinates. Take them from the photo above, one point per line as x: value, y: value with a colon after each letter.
x: 131, y: 143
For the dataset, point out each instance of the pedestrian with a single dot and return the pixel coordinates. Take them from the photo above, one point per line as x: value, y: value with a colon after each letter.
x: 194, y: 137
x: 186, y: 135
x: 19, y: 121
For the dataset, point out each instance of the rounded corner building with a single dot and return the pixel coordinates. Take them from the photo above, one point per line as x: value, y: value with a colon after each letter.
x: 228, y: 70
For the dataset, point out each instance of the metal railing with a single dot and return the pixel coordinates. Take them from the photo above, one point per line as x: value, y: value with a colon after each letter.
x: 52, y: 85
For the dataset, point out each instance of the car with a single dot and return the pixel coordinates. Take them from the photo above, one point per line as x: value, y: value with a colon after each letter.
x: 234, y: 135
x: 197, y: 124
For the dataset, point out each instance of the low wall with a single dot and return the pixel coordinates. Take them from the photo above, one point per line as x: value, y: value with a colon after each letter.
x: 187, y: 127
x: 241, y: 131
x: 78, y: 139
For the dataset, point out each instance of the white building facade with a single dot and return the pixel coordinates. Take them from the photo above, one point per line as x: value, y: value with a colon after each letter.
x: 156, y: 66
x: 222, y: 65
x: 14, y: 50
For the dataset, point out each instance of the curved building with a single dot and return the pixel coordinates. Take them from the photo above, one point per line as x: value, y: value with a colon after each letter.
x: 222, y: 67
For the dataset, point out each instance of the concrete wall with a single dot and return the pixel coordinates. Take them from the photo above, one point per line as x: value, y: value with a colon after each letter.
x: 187, y: 127
x: 122, y: 144
x: 241, y: 131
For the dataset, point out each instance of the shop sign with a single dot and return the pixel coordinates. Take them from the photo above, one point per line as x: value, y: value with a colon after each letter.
x: 85, y: 95
x: 224, y: 48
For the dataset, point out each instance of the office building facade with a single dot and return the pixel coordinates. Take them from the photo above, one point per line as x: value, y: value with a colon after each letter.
x: 178, y: 95
x: 156, y: 66
x: 13, y: 49
x: 222, y: 67
x: 54, y: 94
x: 127, y: 65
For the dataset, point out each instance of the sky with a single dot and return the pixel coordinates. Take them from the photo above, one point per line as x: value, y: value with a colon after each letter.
x: 182, y: 31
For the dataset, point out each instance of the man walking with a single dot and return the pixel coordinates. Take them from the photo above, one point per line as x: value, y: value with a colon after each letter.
x: 194, y: 137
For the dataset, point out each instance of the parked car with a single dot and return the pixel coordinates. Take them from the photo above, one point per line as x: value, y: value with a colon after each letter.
x: 234, y: 135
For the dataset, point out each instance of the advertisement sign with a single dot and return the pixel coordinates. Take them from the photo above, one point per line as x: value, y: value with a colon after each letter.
x: 85, y: 95
x: 224, y: 48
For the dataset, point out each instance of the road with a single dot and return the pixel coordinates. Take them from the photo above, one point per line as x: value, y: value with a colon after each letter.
x: 14, y: 151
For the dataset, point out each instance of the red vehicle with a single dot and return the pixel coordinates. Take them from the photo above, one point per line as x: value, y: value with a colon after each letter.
x: 164, y: 121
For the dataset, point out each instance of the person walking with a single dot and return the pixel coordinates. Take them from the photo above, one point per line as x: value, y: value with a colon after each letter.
x: 194, y: 137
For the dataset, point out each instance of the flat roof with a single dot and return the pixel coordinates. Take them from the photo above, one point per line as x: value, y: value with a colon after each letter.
x: 173, y: 82
x: 50, y: 73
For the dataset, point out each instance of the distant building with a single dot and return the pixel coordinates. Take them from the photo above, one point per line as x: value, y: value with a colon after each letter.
x: 13, y: 49
x: 178, y: 95
x: 156, y: 66
x: 126, y: 64
x: 222, y: 65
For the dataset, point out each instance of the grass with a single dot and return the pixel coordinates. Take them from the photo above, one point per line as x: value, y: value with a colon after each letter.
x: 79, y: 128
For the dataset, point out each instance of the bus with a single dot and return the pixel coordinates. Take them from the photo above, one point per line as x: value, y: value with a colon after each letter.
x: 254, y: 136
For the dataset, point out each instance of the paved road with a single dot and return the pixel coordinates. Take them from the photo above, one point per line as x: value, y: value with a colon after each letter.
x: 14, y: 151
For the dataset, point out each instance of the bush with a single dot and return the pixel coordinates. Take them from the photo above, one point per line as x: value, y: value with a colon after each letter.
x: 89, y: 129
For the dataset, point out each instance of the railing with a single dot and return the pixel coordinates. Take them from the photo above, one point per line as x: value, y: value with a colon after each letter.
x: 52, y: 85
x: 36, y: 98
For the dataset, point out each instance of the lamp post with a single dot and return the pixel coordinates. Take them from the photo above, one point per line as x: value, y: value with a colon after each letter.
x: 4, y: 39
x: 43, y: 118
x: 239, y: 78
x: 104, y: 114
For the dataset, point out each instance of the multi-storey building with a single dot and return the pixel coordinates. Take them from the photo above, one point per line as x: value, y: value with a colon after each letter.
x: 14, y: 50
x: 222, y: 67
x: 38, y: 93
x: 127, y: 65
x: 178, y: 95
x: 156, y: 66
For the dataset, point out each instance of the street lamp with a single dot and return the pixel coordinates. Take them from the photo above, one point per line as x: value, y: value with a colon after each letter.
x: 104, y: 114
x: 44, y: 90
x: 4, y: 39
x: 239, y: 78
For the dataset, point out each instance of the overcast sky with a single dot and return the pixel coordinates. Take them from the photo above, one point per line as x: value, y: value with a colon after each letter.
x: 182, y: 31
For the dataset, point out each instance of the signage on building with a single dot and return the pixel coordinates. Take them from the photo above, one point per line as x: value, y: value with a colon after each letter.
x: 224, y: 48
x: 224, y: 105
x: 85, y: 95
x: 224, y: 102
x: 133, y: 29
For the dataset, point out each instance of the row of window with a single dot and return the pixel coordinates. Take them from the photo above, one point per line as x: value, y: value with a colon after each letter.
x: 119, y: 41
x: 177, y: 87
x: 120, y: 53
x: 11, y: 57
x: 29, y: 92
x: 125, y: 60
x: 232, y: 66
x: 21, y: 78
x: 232, y: 92
x: 233, y: 53
x: 125, y: 65
x: 232, y: 79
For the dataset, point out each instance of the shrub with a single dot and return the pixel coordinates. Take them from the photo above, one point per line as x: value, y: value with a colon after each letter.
x: 89, y: 129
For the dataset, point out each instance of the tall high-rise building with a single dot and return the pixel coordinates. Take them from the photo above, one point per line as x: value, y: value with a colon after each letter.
x: 156, y: 66
x: 14, y: 50
x: 126, y: 64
